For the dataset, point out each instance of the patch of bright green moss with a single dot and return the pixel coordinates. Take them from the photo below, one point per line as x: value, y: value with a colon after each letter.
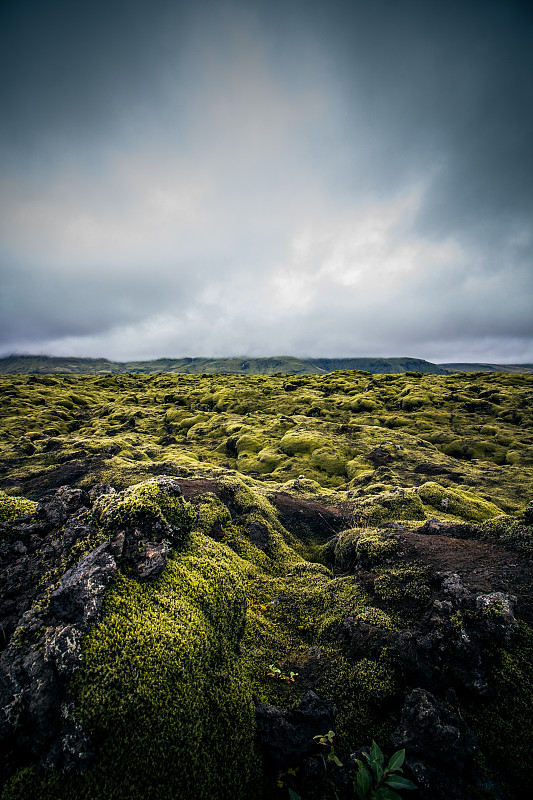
x: 462, y: 504
x: 468, y: 449
x: 328, y: 460
x: 397, y: 504
x: 362, y: 546
x: 144, y: 504
x: 12, y: 507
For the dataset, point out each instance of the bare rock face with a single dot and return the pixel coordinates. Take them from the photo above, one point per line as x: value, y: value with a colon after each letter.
x: 440, y: 748
x: 62, y: 648
x: 286, y: 737
x: 152, y: 561
x: 429, y: 729
x: 453, y: 587
x: 496, y: 613
x: 56, y: 507
x: 80, y: 594
x: 42, y: 646
x: 35, y: 666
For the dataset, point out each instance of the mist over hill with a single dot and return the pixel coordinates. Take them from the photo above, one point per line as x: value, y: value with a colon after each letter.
x: 34, y: 365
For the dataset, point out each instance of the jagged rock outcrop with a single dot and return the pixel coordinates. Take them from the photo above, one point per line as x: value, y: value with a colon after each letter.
x: 35, y: 713
x: 440, y: 751
x: 285, y: 738
x: 38, y: 719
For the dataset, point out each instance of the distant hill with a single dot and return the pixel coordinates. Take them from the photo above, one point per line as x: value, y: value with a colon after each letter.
x: 38, y: 365
x: 488, y: 367
x: 31, y: 365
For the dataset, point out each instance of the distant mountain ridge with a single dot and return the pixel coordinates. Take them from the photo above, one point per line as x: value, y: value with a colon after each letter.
x: 458, y: 367
x: 35, y: 365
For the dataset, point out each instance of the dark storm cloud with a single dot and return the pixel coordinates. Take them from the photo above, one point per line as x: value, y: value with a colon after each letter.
x: 70, y: 66
x: 213, y: 178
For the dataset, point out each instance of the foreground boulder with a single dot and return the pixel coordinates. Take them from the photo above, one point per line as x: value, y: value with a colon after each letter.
x: 131, y: 656
x: 440, y: 751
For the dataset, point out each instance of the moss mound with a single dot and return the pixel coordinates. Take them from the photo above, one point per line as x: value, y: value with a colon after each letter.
x: 13, y: 507
x: 362, y: 547
x: 162, y: 689
x: 384, y: 506
x: 155, y: 505
x: 465, y: 505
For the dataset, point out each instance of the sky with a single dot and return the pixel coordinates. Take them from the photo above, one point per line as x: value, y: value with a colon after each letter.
x: 318, y: 178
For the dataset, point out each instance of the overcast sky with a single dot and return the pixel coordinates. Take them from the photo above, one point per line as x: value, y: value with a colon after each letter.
x: 267, y: 177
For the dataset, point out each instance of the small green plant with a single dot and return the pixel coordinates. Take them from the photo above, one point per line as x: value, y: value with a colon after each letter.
x: 327, y: 741
x: 377, y: 782
x: 275, y: 672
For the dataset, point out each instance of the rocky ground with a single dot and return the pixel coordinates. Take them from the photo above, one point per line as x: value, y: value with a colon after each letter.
x: 174, y: 625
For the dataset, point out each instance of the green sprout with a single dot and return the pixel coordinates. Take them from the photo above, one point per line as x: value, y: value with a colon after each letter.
x: 377, y: 782
x: 275, y: 672
x: 327, y: 741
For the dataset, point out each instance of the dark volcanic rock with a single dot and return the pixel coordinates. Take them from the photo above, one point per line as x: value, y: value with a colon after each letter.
x: 496, y: 614
x: 62, y: 647
x: 99, y: 489
x: 80, y: 595
x: 287, y: 737
x: 57, y: 506
x: 429, y: 730
x: 259, y: 535
x: 37, y: 663
x: 153, y: 560
x: 440, y: 748
x: 43, y: 644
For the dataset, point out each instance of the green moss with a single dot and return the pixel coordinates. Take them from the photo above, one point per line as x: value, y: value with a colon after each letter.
x: 415, y: 401
x: 363, y: 403
x: 489, y: 430
x: 322, y: 427
x: 249, y: 444
x: 462, y: 504
x: 363, y: 546
x: 405, y: 587
x: 269, y: 459
x: 329, y: 461
x: 514, y: 531
x: 144, y: 504
x: 343, y: 597
x: 296, y: 442
x: 376, y: 617
x: 365, y: 690
x: 211, y: 513
x: 12, y: 507
x: 397, y: 504
x: 504, y: 724
x: 468, y: 449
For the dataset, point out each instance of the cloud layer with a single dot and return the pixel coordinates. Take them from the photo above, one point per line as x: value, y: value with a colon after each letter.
x: 313, y: 179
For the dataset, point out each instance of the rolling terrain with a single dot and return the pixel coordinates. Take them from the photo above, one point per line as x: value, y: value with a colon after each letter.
x: 36, y: 365
x: 192, y: 563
